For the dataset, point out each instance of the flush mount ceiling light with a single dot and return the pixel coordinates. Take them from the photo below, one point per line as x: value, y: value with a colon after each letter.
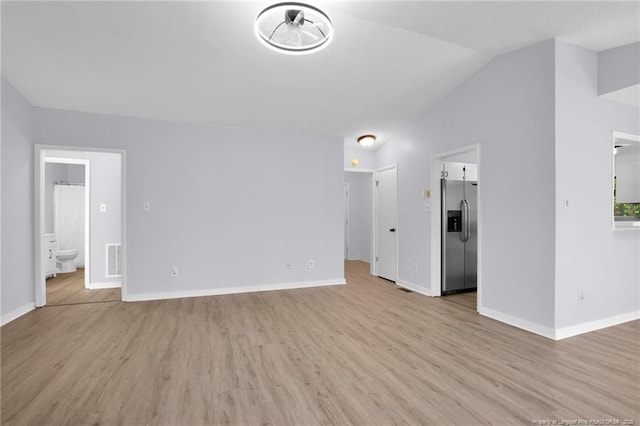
x: 366, y: 140
x: 294, y: 28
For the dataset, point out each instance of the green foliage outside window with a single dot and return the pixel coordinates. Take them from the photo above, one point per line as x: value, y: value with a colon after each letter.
x: 624, y: 209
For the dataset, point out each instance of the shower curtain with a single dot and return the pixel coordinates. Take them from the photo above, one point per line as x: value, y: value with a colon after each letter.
x: 68, y: 219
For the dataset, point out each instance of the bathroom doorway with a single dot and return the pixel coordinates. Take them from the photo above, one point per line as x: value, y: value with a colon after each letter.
x: 67, y: 194
x: 78, y: 228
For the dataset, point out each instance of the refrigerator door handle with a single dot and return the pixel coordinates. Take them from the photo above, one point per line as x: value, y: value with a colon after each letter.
x: 466, y: 231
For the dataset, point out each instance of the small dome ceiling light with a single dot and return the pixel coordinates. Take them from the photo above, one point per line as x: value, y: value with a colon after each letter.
x: 366, y: 140
x: 294, y: 28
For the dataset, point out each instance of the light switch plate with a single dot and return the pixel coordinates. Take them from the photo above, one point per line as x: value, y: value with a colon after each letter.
x: 103, y: 208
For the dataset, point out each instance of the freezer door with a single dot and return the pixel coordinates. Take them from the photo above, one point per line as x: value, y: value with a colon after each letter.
x: 471, y: 246
x: 453, y: 275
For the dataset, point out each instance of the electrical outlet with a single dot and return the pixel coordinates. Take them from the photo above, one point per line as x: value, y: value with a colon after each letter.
x: 312, y: 264
x: 174, y: 271
x: 581, y: 296
x: 147, y: 206
x: 415, y: 267
x: 289, y: 265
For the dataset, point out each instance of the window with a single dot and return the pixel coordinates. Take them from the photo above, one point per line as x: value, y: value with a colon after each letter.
x: 626, y: 180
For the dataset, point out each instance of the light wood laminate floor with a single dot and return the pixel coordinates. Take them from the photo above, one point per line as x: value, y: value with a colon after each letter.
x: 366, y: 353
x: 68, y: 288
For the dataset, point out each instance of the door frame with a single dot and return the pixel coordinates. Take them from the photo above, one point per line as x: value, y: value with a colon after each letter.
x: 39, y: 216
x: 346, y: 221
x: 374, y: 221
x: 437, y: 161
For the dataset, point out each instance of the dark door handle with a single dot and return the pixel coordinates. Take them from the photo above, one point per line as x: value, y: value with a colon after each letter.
x: 392, y: 230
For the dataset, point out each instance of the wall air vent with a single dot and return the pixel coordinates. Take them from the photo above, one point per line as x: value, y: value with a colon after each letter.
x: 114, y: 260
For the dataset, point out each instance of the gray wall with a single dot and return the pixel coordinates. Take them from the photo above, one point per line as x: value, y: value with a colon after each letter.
x: 229, y: 207
x: 618, y: 68
x: 591, y: 258
x: 360, y: 215
x: 75, y: 173
x: 507, y: 107
x: 105, y: 226
x: 18, y: 289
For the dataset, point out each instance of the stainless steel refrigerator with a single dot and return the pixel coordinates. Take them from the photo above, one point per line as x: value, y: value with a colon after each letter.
x: 459, y: 235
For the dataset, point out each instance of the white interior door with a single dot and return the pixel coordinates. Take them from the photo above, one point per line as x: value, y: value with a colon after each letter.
x: 386, y: 222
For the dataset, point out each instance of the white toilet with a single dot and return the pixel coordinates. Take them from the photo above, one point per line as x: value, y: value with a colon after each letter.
x: 66, y: 260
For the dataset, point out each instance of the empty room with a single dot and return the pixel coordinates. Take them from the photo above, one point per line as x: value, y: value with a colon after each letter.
x: 331, y: 212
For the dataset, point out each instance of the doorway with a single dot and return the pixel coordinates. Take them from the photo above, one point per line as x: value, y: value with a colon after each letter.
x: 468, y: 155
x: 385, y: 223
x: 67, y: 194
x: 71, y: 268
x: 358, y: 215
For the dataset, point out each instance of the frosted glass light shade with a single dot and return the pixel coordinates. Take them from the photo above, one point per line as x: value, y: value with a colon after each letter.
x: 366, y: 140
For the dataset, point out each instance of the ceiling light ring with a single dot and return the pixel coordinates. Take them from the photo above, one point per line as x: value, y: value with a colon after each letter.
x: 295, y: 24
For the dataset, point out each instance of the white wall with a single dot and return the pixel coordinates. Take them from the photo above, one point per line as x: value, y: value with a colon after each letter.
x: 469, y: 157
x: 508, y: 108
x: 17, y: 287
x: 360, y: 215
x: 229, y: 207
x: 366, y: 157
x: 590, y: 257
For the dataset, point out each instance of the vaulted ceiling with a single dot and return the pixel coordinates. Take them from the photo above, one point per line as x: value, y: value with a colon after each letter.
x: 201, y: 62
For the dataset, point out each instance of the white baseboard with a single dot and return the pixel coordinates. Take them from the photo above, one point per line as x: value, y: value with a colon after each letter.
x: 361, y: 259
x: 17, y: 313
x: 413, y: 287
x: 574, y: 330
x: 519, y: 323
x: 560, y: 333
x: 230, y: 290
x: 94, y: 286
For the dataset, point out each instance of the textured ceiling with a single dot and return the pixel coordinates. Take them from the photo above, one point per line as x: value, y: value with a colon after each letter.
x: 200, y: 62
